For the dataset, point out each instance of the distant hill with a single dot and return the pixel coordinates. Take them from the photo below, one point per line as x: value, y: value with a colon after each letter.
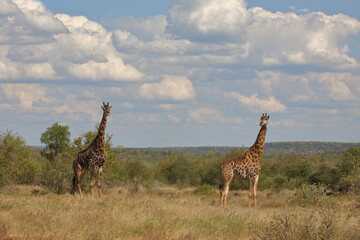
x: 270, y: 148
x: 307, y: 147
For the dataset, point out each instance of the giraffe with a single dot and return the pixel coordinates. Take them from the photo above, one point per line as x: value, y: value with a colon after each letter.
x: 92, y: 158
x: 245, y: 167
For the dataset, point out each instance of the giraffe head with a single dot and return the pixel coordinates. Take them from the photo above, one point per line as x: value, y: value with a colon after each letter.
x: 106, y: 108
x: 264, y: 120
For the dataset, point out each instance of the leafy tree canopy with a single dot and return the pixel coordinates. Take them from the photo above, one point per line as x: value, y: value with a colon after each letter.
x: 56, y: 138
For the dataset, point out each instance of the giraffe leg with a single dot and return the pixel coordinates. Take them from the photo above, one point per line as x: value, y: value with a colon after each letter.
x: 99, y: 181
x: 77, y: 178
x: 225, y: 193
x: 251, y: 193
x: 224, y: 189
x: 92, y: 181
x: 226, y: 177
x: 255, y: 189
x: 81, y: 173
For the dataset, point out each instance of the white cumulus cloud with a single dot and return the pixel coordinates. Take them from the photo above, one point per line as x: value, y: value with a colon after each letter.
x: 74, y: 109
x: 209, y: 115
x: 173, y: 118
x: 37, y: 44
x: 209, y: 20
x: 339, y: 86
x: 23, y: 96
x: 201, y: 34
x: 255, y: 104
x: 206, y: 115
x: 176, y: 88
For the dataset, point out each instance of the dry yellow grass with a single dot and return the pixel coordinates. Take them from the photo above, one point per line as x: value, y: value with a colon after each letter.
x: 161, y: 213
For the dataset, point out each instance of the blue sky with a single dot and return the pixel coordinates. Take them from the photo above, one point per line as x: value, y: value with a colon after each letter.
x: 182, y: 73
x: 110, y: 9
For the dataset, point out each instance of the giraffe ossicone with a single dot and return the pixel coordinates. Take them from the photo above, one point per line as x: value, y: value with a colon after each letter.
x: 92, y: 158
x: 245, y: 167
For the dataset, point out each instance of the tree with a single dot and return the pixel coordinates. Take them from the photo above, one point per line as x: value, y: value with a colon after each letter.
x: 137, y: 173
x: 57, y: 139
x: 179, y: 170
x: 325, y: 175
x: 350, y: 161
x: 235, y: 152
x: 211, y: 174
x: 18, y: 165
x: 349, y: 168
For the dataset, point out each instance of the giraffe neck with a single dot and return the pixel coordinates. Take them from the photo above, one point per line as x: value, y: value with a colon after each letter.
x: 258, y: 147
x: 98, y: 142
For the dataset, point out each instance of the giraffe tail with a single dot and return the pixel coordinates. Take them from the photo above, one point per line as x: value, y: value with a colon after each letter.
x: 220, y: 187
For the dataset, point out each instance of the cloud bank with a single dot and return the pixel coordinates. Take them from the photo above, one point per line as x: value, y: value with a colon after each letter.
x: 37, y: 44
x: 204, y: 63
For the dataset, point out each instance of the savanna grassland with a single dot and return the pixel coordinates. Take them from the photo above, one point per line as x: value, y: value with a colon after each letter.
x: 166, y: 194
x: 30, y: 212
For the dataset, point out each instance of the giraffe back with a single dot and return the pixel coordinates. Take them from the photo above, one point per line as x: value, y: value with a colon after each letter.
x: 243, y: 167
x: 90, y: 157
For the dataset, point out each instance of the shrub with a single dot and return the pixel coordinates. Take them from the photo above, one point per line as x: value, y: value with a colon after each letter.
x: 235, y: 152
x: 325, y: 175
x: 137, y: 174
x: 18, y: 164
x: 211, y: 172
x: 298, y: 169
x: 279, y: 183
x: 308, y: 195
x: 179, y: 170
x: 57, y: 176
x: 242, y: 184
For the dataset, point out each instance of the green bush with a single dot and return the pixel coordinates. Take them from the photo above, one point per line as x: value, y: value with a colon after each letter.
x: 18, y: 165
x: 308, y: 195
x: 179, y: 170
x: 242, y: 184
x: 57, y: 176
x: 278, y: 183
x: 31, y: 172
x: 137, y: 174
x: 211, y: 172
x: 235, y: 153
x: 299, y: 169
x: 325, y: 175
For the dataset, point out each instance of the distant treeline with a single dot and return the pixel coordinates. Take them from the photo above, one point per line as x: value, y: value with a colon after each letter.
x: 270, y: 148
x: 285, y: 165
